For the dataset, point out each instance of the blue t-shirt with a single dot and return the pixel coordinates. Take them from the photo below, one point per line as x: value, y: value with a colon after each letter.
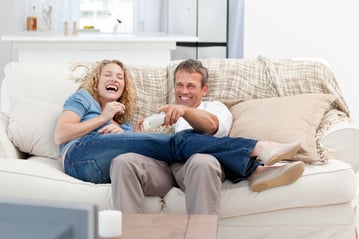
x: 83, y: 104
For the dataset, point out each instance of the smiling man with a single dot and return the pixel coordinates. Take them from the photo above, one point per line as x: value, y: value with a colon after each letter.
x: 135, y: 176
x: 190, y: 86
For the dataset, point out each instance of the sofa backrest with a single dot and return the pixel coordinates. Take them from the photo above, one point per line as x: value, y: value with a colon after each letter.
x: 151, y: 89
x: 240, y: 79
x: 277, y: 99
x: 54, y: 82
x: 32, y: 95
x: 246, y: 79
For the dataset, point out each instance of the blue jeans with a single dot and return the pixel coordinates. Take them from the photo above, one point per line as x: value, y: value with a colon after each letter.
x: 89, y: 158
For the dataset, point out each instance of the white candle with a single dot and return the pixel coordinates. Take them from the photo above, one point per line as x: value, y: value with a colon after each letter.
x: 109, y: 223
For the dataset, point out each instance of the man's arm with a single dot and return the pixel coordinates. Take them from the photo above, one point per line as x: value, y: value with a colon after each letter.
x: 201, y: 120
x: 215, y: 119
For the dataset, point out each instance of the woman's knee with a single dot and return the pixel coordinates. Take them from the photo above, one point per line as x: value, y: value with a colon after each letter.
x: 87, y: 170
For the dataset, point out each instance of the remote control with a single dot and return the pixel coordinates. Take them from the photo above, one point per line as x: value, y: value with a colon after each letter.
x: 153, y: 121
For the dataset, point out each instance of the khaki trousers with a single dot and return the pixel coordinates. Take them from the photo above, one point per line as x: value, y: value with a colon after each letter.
x: 134, y: 176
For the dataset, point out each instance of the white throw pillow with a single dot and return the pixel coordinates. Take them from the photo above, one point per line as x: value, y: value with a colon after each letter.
x: 31, y: 127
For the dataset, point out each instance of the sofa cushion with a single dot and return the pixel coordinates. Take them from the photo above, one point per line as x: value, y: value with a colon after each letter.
x: 31, y: 127
x: 283, y: 119
x: 50, y: 82
x: 317, y: 186
x: 46, y: 180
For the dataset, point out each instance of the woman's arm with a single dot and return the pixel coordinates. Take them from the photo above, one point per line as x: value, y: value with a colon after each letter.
x: 69, y: 126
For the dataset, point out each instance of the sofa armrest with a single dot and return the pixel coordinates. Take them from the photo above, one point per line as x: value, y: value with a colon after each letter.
x: 7, y: 149
x: 342, y: 139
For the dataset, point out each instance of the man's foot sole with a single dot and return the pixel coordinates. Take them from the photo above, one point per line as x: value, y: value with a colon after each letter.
x: 278, y: 176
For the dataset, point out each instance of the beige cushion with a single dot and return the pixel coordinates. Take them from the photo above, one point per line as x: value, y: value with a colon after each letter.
x: 31, y: 127
x: 283, y: 119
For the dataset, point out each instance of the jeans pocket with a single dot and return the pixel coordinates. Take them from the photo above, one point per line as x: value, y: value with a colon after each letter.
x: 87, y: 170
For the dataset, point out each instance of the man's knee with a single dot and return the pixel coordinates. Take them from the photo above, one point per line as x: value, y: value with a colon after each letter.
x: 204, y: 160
x: 124, y: 162
x: 205, y: 166
x: 122, y: 159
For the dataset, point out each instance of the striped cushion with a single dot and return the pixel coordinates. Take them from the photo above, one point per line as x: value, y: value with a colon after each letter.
x: 151, y: 90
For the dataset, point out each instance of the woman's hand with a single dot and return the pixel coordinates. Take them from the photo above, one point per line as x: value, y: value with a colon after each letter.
x: 110, y: 129
x: 111, y: 109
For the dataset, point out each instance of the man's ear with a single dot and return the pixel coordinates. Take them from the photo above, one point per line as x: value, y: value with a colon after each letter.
x: 205, y: 90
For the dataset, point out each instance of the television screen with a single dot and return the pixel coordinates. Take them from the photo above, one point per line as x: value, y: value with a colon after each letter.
x: 47, y: 219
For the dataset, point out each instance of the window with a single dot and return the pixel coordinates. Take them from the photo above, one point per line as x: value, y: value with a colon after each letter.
x: 107, y: 15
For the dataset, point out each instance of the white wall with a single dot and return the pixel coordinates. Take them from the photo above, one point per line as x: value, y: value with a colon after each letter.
x: 275, y: 28
x: 7, y: 24
x: 327, y: 29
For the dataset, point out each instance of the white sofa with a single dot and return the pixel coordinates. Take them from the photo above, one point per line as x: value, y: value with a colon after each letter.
x: 321, y: 204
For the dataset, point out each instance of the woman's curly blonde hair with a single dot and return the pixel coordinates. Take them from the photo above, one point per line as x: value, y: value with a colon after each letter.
x: 90, y: 83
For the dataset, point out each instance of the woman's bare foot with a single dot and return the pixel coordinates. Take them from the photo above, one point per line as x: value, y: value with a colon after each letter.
x: 269, y: 177
x: 270, y: 152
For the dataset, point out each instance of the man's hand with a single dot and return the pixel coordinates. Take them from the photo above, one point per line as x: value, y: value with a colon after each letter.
x: 138, y: 126
x: 200, y: 120
x: 173, y: 113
